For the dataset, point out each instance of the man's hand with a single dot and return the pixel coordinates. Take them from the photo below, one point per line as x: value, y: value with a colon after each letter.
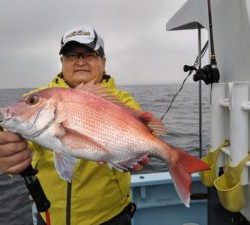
x: 139, y: 165
x: 14, y: 153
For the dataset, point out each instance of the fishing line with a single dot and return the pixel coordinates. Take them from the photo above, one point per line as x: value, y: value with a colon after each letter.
x: 196, y: 63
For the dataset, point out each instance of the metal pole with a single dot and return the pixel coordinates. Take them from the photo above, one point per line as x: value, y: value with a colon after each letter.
x: 200, y: 94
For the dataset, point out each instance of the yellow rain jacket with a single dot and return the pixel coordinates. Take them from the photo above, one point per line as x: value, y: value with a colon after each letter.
x: 97, y: 193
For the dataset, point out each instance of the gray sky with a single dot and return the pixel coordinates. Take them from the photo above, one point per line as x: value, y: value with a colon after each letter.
x: 138, y: 48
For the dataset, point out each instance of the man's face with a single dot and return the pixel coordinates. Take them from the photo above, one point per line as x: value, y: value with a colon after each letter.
x: 80, y: 65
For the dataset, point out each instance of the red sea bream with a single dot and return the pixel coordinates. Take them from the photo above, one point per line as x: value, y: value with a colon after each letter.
x: 89, y: 123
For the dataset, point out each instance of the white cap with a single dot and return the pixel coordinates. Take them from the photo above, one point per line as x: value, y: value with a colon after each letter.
x: 86, y: 36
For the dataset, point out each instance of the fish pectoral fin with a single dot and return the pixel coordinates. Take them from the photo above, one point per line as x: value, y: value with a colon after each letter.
x: 64, y: 165
x: 59, y: 130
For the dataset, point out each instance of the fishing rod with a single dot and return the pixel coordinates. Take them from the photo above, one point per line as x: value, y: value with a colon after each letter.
x: 36, y: 191
x: 209, y: 73
x: 213, y: 62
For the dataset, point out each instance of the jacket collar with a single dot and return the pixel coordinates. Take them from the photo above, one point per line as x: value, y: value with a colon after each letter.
x: 58, y: 81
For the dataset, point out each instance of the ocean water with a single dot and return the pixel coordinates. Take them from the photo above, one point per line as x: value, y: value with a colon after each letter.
x: 182, y: 122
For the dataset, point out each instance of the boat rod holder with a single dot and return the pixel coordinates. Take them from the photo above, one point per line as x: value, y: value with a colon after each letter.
x: 209, y: 73
x: 35, y: 189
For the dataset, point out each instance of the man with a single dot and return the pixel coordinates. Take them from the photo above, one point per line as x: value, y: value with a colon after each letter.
x: 97, y: 194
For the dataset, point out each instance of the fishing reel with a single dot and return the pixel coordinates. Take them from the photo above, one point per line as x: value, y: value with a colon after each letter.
x: 209, y: 73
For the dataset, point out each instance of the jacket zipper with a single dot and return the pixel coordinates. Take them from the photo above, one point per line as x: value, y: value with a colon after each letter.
x: 68, y: 204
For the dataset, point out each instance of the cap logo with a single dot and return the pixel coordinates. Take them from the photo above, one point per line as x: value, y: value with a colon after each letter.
x: 80, y: 32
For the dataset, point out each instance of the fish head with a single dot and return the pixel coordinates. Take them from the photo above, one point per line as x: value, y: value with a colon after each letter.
x: 30, y: 116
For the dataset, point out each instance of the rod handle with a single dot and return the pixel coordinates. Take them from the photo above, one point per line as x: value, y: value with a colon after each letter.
x: 35, y: 189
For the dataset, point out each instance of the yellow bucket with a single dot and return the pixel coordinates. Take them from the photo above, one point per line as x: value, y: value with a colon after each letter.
x: 230, y: 195
x: 208, y: 177
x: 229, y: 189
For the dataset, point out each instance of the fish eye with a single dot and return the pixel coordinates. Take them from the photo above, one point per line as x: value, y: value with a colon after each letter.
x: 32, y: 100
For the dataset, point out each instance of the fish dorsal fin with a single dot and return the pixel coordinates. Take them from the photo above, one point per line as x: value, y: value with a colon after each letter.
x: 153, y: 123
x: 103, y: 92
x: 99, y: 90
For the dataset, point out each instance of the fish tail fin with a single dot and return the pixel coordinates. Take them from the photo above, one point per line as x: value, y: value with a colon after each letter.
x: 181, y: 166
